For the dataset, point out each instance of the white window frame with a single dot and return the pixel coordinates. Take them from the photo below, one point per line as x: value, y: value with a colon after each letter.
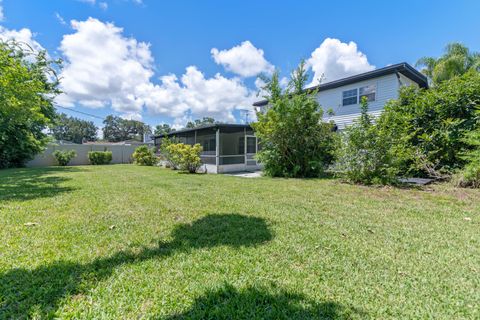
x: 374, y: 92
x: 358, y: 96
x: 349, y: 97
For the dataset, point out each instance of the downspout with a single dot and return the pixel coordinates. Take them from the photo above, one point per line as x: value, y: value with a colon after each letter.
x: 399, y: 79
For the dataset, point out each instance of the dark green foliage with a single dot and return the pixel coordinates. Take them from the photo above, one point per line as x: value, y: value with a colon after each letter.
x: 26, y: 102
x: 200, y: 122
x: 469, y: 176
x: 363, y: 155
x: 144, y: 156
x: 295, y: 141
x: 73, y: 129
x: 100, y: 157
x: 63, y: 157
x: 428, y: 126
x: 118, y: 129
x: 163, y: 129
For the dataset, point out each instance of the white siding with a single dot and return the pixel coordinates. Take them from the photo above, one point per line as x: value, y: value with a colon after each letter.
x: 387, y: 89
x: 404, y: 81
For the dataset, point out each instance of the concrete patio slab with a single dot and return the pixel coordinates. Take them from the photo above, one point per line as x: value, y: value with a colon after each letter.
x: 246, y: 174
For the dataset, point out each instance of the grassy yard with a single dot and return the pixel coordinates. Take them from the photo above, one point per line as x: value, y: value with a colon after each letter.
x: 129, y: 242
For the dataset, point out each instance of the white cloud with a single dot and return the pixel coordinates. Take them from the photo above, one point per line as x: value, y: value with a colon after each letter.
x: 245, y: 60
x: 197, y: 96
x: 103, y: 68
x: 132, y: 116
x: 334, y: 60
x: 60, y: 18
x: 24, y: 37
x: 104, y: 5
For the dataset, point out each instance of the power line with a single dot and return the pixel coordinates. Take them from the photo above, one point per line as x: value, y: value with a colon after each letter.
x: 84, y: 113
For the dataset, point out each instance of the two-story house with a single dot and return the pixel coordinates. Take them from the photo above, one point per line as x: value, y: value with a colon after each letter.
x: 380, y: 85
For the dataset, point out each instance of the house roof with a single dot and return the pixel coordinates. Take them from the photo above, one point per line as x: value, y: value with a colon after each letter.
x: 206, y: 126
x: 403, y: 68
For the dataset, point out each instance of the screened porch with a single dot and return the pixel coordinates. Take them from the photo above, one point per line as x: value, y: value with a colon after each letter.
x: 226, y: 147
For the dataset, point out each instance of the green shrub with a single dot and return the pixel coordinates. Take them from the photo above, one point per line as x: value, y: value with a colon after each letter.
x: 63, y: 157
x: 144, y: 156
x: 100, y: 157
x: 469, y: 176
x: 186, y: 156
x: 363, y: 155
x: 295, y: 141
x: 170, y: 159
x: 428, y: 126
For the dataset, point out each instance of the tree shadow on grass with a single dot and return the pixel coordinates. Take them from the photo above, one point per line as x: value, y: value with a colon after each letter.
x: 27, y: 184
x: 262, y: 303
x: 25, y: 293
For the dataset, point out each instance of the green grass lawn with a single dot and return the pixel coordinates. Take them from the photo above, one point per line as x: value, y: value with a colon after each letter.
x: 131, y: 242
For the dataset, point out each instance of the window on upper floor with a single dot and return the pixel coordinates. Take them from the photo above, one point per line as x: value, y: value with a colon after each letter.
x: 368, y: 92
x: 354, y: 96
x: 350, y: 97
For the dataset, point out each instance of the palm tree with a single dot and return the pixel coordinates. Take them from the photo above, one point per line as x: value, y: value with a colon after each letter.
x: 456, y: 61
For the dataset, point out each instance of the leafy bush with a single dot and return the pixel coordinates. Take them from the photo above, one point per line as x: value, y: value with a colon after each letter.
x: 63, y: 157
x: 100, y: 157
x: 363, y: 155
x: 186, y: 156
x: 144, y: 156
x: 469, y: 176
x: 428, y: 127
x: 295, y: 141
x: 171, y: 159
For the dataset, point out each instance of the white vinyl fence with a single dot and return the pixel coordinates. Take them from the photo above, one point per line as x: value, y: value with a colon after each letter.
x: 120, y: 154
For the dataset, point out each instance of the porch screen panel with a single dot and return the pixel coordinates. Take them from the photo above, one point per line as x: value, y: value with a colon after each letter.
x: 207, y: 139
x: 232, y: 147
x: 190, y: 138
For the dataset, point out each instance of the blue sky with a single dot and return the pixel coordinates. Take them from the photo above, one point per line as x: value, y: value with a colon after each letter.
x: 129, y: 57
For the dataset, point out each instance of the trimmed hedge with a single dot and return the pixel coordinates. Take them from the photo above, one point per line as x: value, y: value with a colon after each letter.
x: 63, y: 157
x: 100, y: 157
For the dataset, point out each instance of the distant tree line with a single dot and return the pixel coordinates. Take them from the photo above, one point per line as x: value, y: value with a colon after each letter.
x: 73, y: 129
x: 117, y: 129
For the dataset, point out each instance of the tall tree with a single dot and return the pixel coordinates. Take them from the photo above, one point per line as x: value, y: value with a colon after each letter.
x: 162, y: 129
x: 295, y: 141
x: 28, y: 85
x: 74, y: 129
x: 118, y: 129
x: 200, y: 122
x: 456, y: 60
